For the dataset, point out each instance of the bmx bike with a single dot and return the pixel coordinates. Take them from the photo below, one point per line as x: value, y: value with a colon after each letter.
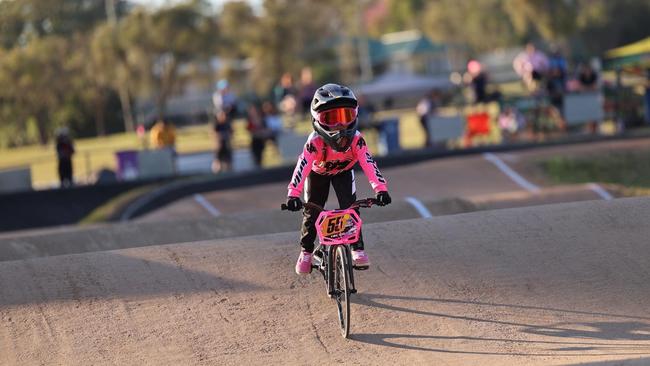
x: 337, y: 229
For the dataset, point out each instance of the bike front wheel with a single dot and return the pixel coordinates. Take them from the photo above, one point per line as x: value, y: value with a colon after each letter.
x: 342, y: 288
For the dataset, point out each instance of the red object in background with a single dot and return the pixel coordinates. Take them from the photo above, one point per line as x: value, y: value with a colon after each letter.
x: 478, y: 124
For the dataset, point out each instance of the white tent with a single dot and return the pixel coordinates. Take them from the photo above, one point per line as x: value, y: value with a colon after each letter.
x: 401, y: 87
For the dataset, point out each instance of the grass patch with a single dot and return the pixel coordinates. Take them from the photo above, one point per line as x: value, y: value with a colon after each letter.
x: 94, y: 154
x: 626, y: 168
x: 109, y: 210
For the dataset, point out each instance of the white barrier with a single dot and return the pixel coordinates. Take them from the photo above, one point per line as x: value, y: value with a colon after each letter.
x: 290, y: 145
x: 242, y: 160
x: 200, y: 163
x: 155, y: 163
x: 14, y: 180
x: 583, y: 107
x: 445, y: 128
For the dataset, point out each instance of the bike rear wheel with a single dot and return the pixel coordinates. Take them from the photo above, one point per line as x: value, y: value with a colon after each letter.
x: 342, y: 289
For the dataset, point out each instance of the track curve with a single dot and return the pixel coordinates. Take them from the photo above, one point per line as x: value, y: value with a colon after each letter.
x: 547, y: 285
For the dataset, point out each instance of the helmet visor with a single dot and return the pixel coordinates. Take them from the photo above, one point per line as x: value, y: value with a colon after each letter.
x: 337, y: 118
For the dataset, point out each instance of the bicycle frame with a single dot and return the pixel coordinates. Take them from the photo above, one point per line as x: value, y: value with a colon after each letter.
x: 338, y: 228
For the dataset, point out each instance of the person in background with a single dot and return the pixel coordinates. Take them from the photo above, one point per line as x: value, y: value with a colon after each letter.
x: 587, y: 77
x: 64, y: 152
x: 556, y: 86
x: 531, y: 65
x: 557, y: 61
x: 479, y: 81
x: 163, y: 135
x: 224, y: 100
x: 259, y: 133
x: 223, y: 149
x: 647, y: 95
x: 284, y: 95
x: 307, y: 90
x: 284, y: 89
x: 425, y: 109
x: 273, y: 120
x: 510, y: 123
x: 556, y: 78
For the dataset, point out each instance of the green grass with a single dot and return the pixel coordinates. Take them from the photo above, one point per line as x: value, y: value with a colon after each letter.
x: 94, y: 154
x: 626, y: 168
x: 108, y: 210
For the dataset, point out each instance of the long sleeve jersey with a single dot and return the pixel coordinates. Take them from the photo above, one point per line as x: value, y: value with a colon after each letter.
x: 324, y: 160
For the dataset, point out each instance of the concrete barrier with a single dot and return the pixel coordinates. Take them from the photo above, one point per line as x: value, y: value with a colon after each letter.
x: 290, y: 145
x: 445, y: 128
x: 14, y: 180
x: 583, y: 107
x: 155, y: 163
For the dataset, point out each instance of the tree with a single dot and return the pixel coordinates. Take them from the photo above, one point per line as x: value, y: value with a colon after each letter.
x: 153, y: 46
x: 22, y: 19
x: 39, y: 75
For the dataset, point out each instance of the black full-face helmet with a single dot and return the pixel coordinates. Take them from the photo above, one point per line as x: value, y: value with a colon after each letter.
x: 334, y: 115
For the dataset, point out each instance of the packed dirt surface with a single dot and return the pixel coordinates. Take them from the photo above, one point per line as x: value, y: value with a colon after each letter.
x: 563, y: 284
x: 459, y: 177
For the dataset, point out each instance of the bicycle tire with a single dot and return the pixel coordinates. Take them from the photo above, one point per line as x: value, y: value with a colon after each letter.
x: 342, y: 289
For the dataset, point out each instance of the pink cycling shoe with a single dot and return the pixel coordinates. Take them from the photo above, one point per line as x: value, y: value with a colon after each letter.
x: 303, y: 265
x: 360, y: 259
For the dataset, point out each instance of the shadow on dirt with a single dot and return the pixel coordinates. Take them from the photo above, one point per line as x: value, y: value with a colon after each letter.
x: 630, y: 328
x: 106, y: 275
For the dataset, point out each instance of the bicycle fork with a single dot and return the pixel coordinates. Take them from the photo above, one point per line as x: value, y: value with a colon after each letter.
x: 328, y: 269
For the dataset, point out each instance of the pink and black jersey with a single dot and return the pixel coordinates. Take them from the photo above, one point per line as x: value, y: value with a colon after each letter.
x: 317, y: 156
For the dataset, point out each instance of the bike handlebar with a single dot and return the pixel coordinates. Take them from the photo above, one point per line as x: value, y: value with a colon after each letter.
x: 363, y: 203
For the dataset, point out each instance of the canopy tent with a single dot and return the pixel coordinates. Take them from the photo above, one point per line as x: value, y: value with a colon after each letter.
x: 632, y: 56
x: 401, y: 88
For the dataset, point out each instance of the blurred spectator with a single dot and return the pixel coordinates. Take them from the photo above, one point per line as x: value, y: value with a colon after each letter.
x: 259, y: 133
x: 141, y: 132
x: 510, y: 123
x: 284, y: 95
x: 557, y: 61
x: 223, y: 136
x: 531, y: 65
x: 224, y: 100
x: 546, y: 119
x: 426, y: 108
x: 556, y: 78
x: 479, y: 81
x: 555, y: 87
x: 587, y: 77
x: 307, y: 90
x: 64, y: 152
x: 365, y: 114
x: 273, y: 120
x: 647, y: 95
x: 163, y: 135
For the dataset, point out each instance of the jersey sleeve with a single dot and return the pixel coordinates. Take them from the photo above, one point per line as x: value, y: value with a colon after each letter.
x: 369, y: 166
x: 303, y: 168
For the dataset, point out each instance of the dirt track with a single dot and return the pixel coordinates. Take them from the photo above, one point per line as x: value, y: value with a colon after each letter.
x: 549, y: 285
x: 459, y: 177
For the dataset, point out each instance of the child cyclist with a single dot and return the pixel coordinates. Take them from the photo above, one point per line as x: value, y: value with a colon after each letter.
x: 329, y: 154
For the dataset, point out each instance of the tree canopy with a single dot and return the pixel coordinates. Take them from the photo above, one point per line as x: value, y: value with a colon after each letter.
x: 71, y: 62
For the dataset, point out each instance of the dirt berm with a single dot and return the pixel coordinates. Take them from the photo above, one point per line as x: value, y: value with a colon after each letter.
x: 562, y: 284
x: 71, y: 240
